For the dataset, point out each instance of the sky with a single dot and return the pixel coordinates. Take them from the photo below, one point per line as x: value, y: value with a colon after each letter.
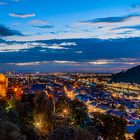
x: 69, y: 35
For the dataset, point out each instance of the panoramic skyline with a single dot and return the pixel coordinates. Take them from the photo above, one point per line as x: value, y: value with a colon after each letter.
x: 99, y: 36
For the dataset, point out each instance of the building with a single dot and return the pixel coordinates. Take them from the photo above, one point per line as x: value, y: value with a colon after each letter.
x: 38, y: 87
x: 3, y: 85
x: 30, y: 80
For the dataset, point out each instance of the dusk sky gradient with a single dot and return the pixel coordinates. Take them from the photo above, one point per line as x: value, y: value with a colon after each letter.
x: 92, y: 35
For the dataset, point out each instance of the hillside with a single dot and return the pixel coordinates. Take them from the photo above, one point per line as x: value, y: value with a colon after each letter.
x: 131, y: 75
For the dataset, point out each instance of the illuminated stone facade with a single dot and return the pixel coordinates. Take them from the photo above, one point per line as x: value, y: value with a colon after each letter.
x: 3, y: 85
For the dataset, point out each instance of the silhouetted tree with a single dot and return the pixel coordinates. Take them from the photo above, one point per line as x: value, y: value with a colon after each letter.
x: 25, y: 112
x: 69, y: 133
x: 8, y: 131
x: 44, y: 113
x: 79, y: 112
x: 137, y: 135
x: 13, y: 116
x: 111, y: 127
x: 70, y: 113
x: 31, y: 133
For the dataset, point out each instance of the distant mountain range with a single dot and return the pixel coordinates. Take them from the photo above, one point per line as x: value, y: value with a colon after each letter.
x: 131, y: 76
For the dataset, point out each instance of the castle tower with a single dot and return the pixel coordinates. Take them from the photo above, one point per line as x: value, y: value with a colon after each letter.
x: 3, y: 85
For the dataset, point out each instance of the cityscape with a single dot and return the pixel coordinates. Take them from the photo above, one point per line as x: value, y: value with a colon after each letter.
x: 69, y: 70
x: 68, y: 100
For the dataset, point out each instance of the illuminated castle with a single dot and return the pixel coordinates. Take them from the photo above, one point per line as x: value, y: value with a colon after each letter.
x: 3, y: 85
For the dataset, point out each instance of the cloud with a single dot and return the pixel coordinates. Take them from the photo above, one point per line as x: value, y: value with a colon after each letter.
x: 17, y: 0
x: 25, y: 46
x: 37, y: 22
x: 68, y: 44
x: 67, y: 35
x: 29, y: 63
x: 54, y: 46
x: 3, y: 3
x: 22, y: 15
x: 40, y: 24
x: 103, y: 28
x: 135, y: 5
x: 65, y: 65
x: 13, y: 47
x: 111, y: 19
x: 88, y: 53
x: 135, y: 8
x: 79, y: 52
x: 108, y: 54
x: 57, y: 32
x: 100, y: 62
x: 114, y: 27
x: 65, y: 62
x: 137, y: 27
x: 5, y: 31
x: 69, y: 27
x: 118, y: 61
x: 43, y: 26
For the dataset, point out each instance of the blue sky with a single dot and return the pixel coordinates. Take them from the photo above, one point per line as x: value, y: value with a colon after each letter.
x: 25, y: 21
x: 61, y: 14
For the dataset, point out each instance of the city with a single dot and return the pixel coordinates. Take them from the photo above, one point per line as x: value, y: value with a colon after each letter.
x: 94, y: 91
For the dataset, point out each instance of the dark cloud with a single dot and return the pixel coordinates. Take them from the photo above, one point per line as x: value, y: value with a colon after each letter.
x: 57, y: 32
x: 91, y: 49
x: 43, y: 26
x: 53, y: 33
x: 111, y: 19
x: 136, y: 27
x: 5, y: 31
x: 106, y: 55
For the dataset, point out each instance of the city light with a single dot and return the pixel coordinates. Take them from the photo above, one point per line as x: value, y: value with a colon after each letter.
x: 65, y: 112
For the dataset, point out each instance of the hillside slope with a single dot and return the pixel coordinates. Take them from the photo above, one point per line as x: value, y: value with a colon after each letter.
x: 131, y: 75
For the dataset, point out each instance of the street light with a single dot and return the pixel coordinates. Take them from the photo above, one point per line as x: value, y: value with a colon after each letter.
x: 65, y: 111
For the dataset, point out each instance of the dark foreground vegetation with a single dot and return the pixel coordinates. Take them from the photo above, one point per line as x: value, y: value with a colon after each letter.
x: 43, y: 117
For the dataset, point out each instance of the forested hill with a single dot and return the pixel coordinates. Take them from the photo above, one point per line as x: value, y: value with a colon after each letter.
x: 131, y: 75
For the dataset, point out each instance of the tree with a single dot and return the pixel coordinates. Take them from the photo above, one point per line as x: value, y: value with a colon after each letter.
x: 13, y: 116
x: 69, y: 133
x: 111, y: 127
x: 79, y: 112
x: 3, y: 104
x: 70, y: 113
x: 138, y: 110
x: 43, y: 113
x: 25, y: 111
x: 3, y: 115
x: 31, y: 133
x: 137, y: 135
x: 8, y: 131
x: 62, y: 112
